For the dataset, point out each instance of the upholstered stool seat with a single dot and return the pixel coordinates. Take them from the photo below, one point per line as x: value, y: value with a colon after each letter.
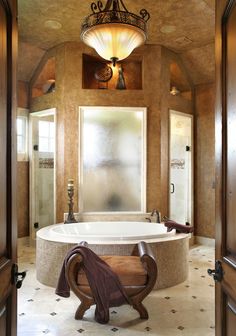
x: 137, y: 274
x: 129, y: 269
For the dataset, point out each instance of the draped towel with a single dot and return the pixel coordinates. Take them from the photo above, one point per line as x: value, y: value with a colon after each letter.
x: 105, y: 285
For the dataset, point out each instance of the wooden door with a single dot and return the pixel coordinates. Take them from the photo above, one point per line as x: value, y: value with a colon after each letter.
x: 8, y: 40
x: 226, y: 167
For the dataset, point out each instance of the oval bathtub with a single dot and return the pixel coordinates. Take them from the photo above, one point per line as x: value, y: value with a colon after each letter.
x: 169, y: 248
x: 105, y: 232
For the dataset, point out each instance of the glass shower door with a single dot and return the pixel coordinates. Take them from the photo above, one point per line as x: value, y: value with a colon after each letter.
x: 42, y: 171
x: 181, y: 168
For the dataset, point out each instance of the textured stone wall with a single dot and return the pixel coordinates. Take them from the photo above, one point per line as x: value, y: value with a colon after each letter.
x: 205, y: 161
x: 69, y: 95
x: 23, y: 173
x: 23, y: 198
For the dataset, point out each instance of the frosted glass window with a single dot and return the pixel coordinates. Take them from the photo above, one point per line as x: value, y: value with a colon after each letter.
x: 113, y: 159
x: 46, y: 136
x: 21, y: 134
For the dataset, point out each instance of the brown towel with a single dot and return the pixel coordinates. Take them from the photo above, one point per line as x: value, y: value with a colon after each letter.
x: 180, y: 228
x: 104, y: 283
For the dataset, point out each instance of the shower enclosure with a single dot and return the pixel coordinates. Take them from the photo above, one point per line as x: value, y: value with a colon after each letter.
x: 181, y: 167
x: 42, y: 169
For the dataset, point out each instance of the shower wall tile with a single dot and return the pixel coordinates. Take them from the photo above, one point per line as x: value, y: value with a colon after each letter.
x: 23, y: 198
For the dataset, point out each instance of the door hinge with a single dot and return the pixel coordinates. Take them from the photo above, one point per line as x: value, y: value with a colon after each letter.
x: 36, y: 225
x: 17, y: 277
x: 218, y: 272
x: 188, y: 148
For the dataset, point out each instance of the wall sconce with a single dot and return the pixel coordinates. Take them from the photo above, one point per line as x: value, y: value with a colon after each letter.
x: 174, y: 91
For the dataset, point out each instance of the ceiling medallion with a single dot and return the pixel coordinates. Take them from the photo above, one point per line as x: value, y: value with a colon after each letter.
x: 53, y: 24
x: 114, y: 32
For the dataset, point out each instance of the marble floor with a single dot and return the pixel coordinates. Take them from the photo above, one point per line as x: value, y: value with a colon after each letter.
x: 186, y: 309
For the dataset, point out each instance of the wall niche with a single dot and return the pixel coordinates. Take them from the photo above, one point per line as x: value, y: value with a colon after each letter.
x: 99, y: 74
x: 45, y: 81
x: 179, y: 84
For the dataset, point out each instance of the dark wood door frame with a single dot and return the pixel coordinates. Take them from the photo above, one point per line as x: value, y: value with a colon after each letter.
x: 226, y: 289
x: 8, y: 226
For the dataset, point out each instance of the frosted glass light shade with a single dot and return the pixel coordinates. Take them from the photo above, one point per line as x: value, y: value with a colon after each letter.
x: 114, y: 40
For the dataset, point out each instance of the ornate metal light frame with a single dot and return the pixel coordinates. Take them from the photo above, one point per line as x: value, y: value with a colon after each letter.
x: 114, y: 12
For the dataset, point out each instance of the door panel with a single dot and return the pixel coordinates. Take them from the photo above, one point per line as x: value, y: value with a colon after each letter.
x: 226, y: 165
x: 230, y: 318
x: 3, y: 104
x: 8, y: 46
x: 231, y: 140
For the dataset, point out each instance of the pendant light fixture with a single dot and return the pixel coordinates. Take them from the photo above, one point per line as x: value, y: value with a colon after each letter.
x: 114, y: 32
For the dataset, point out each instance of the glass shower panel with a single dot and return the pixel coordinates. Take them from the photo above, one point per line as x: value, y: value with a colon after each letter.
x: 42, y: 170
x: 46, y: 171
x: 112, y: 152
x: 180, y: 169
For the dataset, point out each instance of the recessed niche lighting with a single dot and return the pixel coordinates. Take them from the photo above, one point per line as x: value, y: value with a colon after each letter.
x: 167, y: 29
x: 174, y: 91
x: 53, y: 24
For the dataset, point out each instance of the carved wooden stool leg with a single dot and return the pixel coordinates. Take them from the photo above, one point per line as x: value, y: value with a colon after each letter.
x: 141, y: 309
x: 85, y: 305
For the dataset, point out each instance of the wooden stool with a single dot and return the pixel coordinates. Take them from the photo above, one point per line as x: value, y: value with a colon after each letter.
x: 137, y: 274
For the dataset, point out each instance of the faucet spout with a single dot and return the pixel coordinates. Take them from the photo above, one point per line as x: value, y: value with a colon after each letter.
x: 156, y: 213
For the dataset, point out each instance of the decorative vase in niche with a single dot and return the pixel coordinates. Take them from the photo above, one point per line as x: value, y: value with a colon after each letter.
x: 121, y: 80
x: 103, y: 74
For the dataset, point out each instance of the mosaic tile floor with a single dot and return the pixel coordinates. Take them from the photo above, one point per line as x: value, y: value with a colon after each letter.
x: 186, y: 309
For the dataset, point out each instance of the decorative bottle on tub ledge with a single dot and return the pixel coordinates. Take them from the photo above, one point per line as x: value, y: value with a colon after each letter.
x: 70, y: 190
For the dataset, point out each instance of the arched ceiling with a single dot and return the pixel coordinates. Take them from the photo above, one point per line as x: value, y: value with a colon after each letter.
x: 184, y: 26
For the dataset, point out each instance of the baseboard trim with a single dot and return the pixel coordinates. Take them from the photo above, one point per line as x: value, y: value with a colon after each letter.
x: 23, y: 241
x: 26, y: 241
x: 205, y: 241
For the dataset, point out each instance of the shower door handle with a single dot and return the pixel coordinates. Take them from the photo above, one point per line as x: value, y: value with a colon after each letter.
x: 172, y: 188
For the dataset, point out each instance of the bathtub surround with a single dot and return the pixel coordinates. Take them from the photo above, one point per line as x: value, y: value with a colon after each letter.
x: 170, y: 251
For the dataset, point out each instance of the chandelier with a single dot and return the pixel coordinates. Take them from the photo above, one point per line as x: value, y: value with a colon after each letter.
x: 114, y: 32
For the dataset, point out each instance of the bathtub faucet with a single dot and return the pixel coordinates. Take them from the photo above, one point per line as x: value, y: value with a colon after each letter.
x: 157, y: 214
